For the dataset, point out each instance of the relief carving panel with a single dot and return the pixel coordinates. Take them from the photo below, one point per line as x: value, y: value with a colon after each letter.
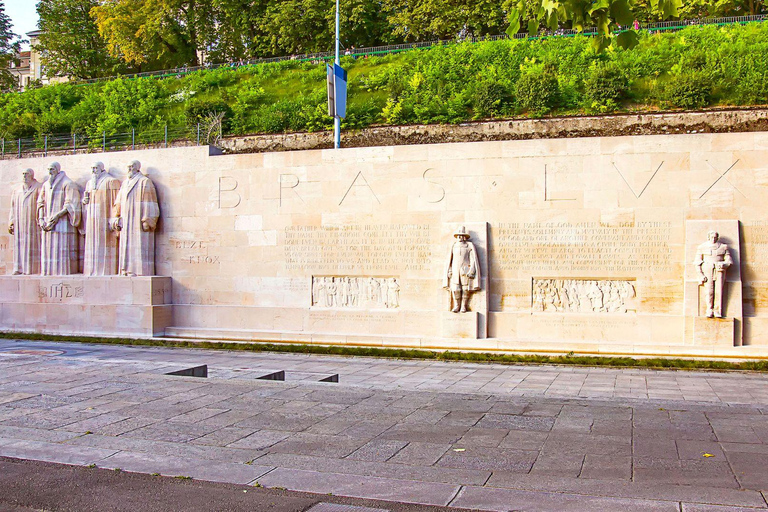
x: 583, y: 296
x: 355, y: 292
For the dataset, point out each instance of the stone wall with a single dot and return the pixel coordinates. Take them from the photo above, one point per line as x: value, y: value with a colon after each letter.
x: 713, y: 121
x: 584, y: 243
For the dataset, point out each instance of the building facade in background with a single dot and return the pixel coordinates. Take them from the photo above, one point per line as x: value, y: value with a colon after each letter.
x: 31, y: 70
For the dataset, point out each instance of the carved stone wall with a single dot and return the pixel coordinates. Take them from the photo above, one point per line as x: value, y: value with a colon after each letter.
x: 583, y: 296
x: 355, y: 292
x: 246, y: 238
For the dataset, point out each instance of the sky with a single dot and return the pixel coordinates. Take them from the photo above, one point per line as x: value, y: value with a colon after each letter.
x: 23, y: 14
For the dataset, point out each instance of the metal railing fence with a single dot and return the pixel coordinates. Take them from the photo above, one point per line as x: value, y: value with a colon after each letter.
x: 57, y: 144
x: 664, y: 26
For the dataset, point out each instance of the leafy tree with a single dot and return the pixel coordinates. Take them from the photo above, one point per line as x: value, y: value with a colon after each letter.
x: 239, y: 33
x: 10, y: 45
x: 307, y: 26
x: 163, y: 33
x: 70, y: 43
x: 608, y: 16
x: 419, y: 20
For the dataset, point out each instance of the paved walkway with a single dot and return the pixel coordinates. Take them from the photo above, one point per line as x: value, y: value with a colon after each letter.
x: 489, y: 437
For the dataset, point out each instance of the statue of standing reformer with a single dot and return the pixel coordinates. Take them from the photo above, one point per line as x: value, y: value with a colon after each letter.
x: 23, y: 225
x: 713, y: 259
x: 136, y: 215
x: 59, y: 213
x: 462, y: 274
x: 98, y: 208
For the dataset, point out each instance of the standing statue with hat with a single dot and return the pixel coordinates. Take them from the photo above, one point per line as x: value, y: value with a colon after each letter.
x: 462, y: 274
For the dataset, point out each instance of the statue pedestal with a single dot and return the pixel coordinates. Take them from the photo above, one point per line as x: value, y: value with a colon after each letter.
x: 459, y: 325
x: 74, y: 304
x: 479, y: 300
x: 714, y: 331
x: 699, y: 329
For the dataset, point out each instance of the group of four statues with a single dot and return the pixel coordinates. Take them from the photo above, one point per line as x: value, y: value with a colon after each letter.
x: 118, y: 221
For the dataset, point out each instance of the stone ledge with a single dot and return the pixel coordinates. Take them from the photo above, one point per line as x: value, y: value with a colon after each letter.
x: 594, y: 348
x: 646, y: 123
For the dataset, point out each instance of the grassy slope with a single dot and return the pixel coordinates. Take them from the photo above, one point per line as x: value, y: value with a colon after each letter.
x: 692, y: 68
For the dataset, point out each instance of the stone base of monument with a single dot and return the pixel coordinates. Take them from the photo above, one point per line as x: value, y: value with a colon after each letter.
x: 720, y: 332
x: 459, y: 325
x: 118, y: 306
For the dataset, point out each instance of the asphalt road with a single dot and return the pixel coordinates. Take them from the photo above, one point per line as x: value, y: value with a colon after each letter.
x: 31, y: 485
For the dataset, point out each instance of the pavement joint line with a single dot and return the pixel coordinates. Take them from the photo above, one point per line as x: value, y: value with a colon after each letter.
x: 455, y: 495
x: 256, y: 480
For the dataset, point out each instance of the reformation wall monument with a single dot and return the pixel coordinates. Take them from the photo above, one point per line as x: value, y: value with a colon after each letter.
x: 614, y: 245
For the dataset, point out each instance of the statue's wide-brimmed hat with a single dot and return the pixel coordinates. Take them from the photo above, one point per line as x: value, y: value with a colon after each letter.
x: 462, y: 231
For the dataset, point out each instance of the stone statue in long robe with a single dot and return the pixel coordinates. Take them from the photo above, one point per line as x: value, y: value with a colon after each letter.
x: 23, y: 225
x: 101, y: 240
x: 59, y: 213
x: 462, y: 273
x: 136, y: 215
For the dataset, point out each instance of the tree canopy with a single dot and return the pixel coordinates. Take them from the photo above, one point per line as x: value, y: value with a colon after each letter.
x: 70, y: 43
x: 10, y: 44
x: 91, y: 38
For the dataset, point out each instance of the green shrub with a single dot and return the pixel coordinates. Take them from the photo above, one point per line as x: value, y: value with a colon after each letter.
x: 537, y: 92
x: 688, y: 89
x: 752, y: 88
x: 200, y: 111
x: 605, y: 87
x: 490, y: 100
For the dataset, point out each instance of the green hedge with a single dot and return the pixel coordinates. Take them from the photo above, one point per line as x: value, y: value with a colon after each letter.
x: 694, y: 68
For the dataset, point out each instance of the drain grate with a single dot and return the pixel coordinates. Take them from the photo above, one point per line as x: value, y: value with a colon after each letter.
x: 196, y: 371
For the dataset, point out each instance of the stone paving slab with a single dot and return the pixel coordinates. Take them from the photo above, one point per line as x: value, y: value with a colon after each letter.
x: 407, y: 491
x: 52, y: 452
x: 693, y: 507
x: 378, y: 469
x: 627, y: 489
x: 334, y: 507
x: 184, y: 467
x: 504, y: 500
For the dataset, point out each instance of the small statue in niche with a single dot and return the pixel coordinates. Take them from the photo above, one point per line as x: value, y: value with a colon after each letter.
x: 713, y: 259
x: 22, y: 224
x: 462, y: 274
x: 136, y: 215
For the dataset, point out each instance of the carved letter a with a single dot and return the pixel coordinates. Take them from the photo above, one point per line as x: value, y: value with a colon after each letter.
x: 364, y: 183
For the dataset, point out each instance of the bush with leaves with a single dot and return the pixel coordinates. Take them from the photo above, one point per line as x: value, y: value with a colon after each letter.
x: 490, y: 99
x: 199, y: 111
x: 688, y: 90
x: 605, y: 87
x: 537, y: 91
